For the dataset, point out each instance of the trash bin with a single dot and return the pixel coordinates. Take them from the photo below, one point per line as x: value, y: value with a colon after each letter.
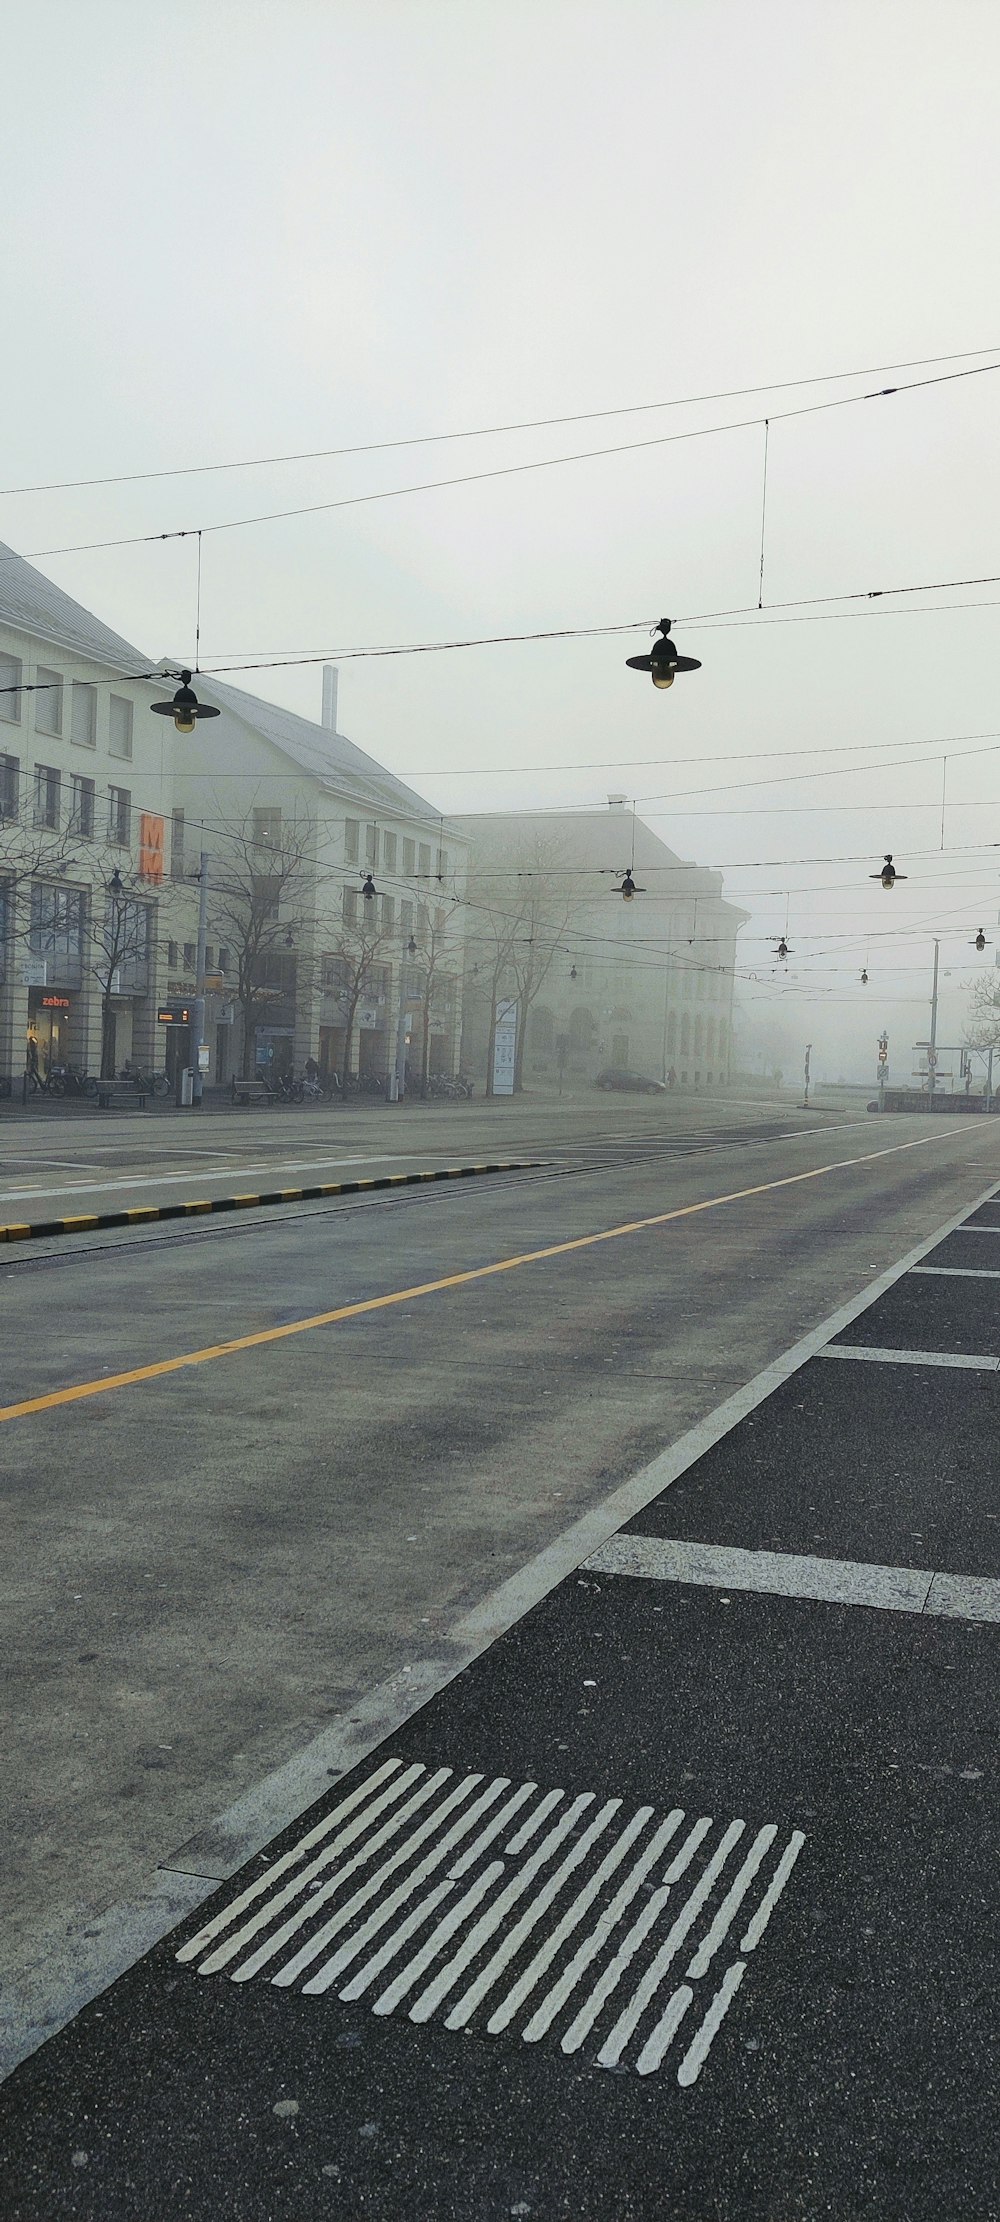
x: 187, y: 1089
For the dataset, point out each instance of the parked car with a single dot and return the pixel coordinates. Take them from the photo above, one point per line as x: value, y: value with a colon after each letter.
x: 631, y: 1083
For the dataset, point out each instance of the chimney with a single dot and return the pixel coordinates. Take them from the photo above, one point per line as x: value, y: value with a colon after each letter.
x: 330, y: 678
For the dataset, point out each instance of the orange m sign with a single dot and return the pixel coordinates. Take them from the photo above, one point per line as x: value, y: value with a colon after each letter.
x: 150, y: 846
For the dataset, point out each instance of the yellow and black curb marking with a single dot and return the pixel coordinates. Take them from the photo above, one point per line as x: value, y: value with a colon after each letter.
x: 140, y: 1215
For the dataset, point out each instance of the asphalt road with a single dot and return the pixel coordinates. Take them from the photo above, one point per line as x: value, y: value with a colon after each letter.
x: 231, y: 1582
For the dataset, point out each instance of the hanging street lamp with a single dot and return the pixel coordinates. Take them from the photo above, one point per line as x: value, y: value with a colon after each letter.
x: 185, y: 708
x: 888, y: 875
x: 663, y: 662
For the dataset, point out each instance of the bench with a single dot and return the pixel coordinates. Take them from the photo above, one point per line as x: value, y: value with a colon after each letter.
x: 250, y: 1091
x: 111, y: 1092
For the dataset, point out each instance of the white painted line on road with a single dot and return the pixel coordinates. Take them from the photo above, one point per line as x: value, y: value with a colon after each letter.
x: 979, y: 1228
x: 823, y: 1581
x: 417, y: 1906
x: 874, y: 1354
x: 960, y: 1272
x: 652, y: 1558
x: 139, y: 1179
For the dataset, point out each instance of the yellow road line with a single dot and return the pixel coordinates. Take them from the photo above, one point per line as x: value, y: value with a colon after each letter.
x: 154, y: 1372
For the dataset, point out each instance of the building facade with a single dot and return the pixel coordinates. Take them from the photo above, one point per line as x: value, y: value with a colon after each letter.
x: 106, y: 812
x: 645, y: 984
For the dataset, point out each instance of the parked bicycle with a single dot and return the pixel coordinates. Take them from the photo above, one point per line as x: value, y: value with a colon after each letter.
x: 63, y: 1080
x: 285, y: 1088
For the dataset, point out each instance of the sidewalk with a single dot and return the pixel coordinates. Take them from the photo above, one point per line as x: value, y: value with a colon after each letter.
x: 679, y: 1901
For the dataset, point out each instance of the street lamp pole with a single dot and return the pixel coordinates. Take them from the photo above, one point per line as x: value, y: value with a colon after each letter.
x: 198, y: 1008
x: 397, y: 1077
x: 932, y: 1055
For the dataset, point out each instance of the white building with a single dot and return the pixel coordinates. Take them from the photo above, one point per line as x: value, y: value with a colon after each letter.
x: 646, y: 984
x: 105, y: 811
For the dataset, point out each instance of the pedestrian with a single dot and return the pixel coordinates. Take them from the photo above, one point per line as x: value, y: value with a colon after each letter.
x: 311, y: 1069
x: 31, y: 1061
x: 672, y: 1078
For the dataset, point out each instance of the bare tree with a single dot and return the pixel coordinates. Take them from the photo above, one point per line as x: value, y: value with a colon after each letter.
x: 982, y: 1026
x: 364, y: 945
x: 117, y: 926
x: 439, y: 938
x: 522, y: 915
x: 262, y: 885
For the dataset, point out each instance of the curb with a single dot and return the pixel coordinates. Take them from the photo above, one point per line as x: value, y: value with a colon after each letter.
x: 140, y: 1215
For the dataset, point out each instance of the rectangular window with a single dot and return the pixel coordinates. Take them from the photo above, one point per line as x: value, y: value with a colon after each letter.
x: 189, y: 956
x: 388, y: 913
x: 223, y: 958
x: 120, y: 726
x: 389, y: 851
x: 424, y: 860
x: 406, y: 920
x: 81, y: 809
x: 177, y: 844
x: 334, y: 975
x: 10, y: 678
x: 267, y: 829
x: 352, y: 837
x: 48, y: 701
x: 442, y: 863
x: 56, y: 928
x: 47, y: 796
x: 10, y: 781
x: 83, y: 716
x: 371, y: 844
x: 351, y: 900
x: 209, y: 957
x: 409, y: 857
x: 120, y: 815
x: 172, y: 956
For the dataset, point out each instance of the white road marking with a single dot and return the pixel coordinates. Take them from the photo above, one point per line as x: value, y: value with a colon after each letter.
x: 979, y: 1227
x: 698, y: 2050
x: 207, y: 1171
x: 826, y: 1581
x: 879, y: 1357
x: 961, y: 1272
x: 414, y: 1908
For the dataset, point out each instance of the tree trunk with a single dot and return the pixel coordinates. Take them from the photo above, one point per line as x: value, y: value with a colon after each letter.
x: 107, y: 1037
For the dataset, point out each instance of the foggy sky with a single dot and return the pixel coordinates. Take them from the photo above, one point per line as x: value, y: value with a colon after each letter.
x: 235, y: 230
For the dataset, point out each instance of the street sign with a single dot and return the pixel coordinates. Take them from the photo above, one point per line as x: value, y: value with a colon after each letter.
x: 173, y: 1014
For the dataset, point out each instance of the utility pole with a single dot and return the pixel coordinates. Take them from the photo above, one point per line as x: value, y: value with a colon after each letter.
x: 198, y: 1009
x: 805, y: 1098
x: 932, y: 1047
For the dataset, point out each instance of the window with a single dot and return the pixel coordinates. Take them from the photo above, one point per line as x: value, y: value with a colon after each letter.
x: 351, y: 900
x: 425, y: 859
x: 442, y: 863
x: 120, y: 726
x: 409, y: 858
x: 10, y: 780
x: 388, y: 913
x: 352, y: 837
x: 56, y: 928
x: 120, y: 815
x: 126, y: 930
x: 81, y: 809
x: 177, y: 844
x: 189, y: 956
x: 172, y: 956
x: 223, y: 958
x: 48, y: 701
x: 406, y: 920
x: 267, y: 829
x: 371, y: 844
x: 209, y: 957
x: 389, y: 851
x: 46, y: 796
x: 10, y: 676
x: 334, y: 976
x: 83, y: 716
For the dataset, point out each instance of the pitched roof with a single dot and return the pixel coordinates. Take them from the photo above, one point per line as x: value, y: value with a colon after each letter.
x: 329, y: 757
x: 35, y: 605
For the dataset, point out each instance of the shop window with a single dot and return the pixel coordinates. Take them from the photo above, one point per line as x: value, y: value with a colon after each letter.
x: 48, y: 701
